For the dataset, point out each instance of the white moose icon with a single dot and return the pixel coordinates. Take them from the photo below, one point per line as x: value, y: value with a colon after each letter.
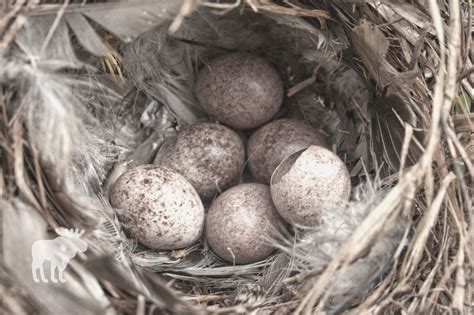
x: 58, y: 252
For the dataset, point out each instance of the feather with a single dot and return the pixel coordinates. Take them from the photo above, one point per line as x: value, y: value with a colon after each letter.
x: 58, y: 52
x: 372, y: 47
x: 314, y: 248
x: 128, y: 19
x: 42, y: 39
x: 350, y: 95
x: 16, y: 298
x: 127, y: 277
x: 55, y: 109
x: 86, y: 34
x: 124, y: 18
x: 297, y: 23
x: 389, y: 114
x: 60, y: 125
x: 146, y: 151
x: 107, y: 236
x: 161, y: 69
x: 275, y: 274
x: 21, y: 227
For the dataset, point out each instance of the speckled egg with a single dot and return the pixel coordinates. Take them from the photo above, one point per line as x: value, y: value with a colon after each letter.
x: 240, y: 90
x: 272, y: 143
x: 309, y: 183
x: 241, y: 222
x: 210, y: 156
x: 158, y: 207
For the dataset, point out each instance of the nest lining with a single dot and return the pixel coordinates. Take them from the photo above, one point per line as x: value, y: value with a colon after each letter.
x: 173, y: 84
x: 117, y: 131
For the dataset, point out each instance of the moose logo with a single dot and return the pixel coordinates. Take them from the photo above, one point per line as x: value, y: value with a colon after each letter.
x: 58, y: 252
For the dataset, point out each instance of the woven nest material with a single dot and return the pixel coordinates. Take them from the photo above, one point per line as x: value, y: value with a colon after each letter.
x: 91, y: 90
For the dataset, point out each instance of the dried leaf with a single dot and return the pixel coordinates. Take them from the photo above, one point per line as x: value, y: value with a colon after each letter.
x: 372, y: 47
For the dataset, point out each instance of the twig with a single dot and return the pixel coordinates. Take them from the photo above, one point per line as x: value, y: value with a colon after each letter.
x: 465, y: 74
x: 267, y: 5
x: 405, y: 147
x: 303, y: 276
x: 425, y: 225
x: 186, y: 9
x: 10, y: 35
x: 459, y: 290
x: 464, y: 123
x: 226, y: 6
x: 17, y: 134
x: 54, y: 26
x: 362, y: 114
x: 460, y: 148
x: 209, y: 298
x: 200, y: 44
x: 12, y: 13
x: 301, y: 85
x: 470, y: 22
x: 20, y: 20
x: 39, y: 178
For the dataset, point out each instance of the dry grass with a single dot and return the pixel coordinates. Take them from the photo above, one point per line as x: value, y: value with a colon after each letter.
x: 431, y: 271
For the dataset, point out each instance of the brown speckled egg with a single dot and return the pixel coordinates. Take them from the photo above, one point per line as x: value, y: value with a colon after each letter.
x: 272, y: 143
x: 210, y: 156
x: 241, y: 222
x: 240, y: 90
x: 308, y: 183
x: 158, y: 207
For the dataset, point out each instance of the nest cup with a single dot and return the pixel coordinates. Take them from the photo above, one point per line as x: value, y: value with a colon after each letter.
x: 164, y: 67
x: 361, y: 255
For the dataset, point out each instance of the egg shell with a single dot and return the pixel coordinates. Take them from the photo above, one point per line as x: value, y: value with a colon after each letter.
x: 309, y: 183
x: 240, y: 223
x: 210, y: 156
x: 240, y: 90
x: 158, y: 207
x: 275, y: 141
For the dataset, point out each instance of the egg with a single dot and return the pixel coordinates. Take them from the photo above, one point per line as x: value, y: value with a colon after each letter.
x: 210, y: 156
x: 158, y: 207
x: 240, y: 90
x: 240, y: 223
x: 278, y: 139
x: 309, y: 183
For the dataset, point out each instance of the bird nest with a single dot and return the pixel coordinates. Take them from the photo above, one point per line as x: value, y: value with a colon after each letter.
x: 90, y: 90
